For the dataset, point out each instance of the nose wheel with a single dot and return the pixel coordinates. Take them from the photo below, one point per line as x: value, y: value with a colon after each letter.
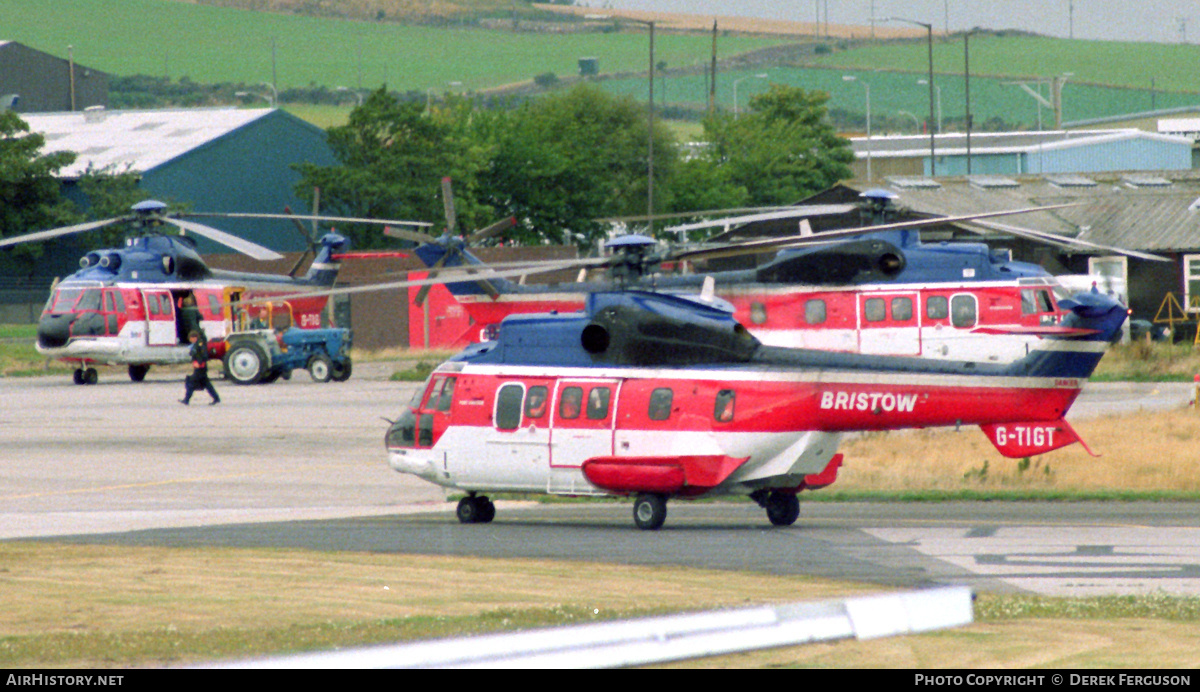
x: 86, y: 376
x: 475, y: 509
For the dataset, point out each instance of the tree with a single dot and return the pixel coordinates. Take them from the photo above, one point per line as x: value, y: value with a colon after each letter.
x: 567, y: 159
x: 30, y: 197
x: 783, y: 150
x: 393, y: 156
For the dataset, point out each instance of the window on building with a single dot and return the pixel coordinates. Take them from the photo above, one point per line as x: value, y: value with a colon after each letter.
x: 1191, y: 282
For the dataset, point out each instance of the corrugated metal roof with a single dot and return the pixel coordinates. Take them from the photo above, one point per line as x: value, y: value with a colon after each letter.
x: 1111, y: 212
x: 137, y: 139
x: 955, y: 143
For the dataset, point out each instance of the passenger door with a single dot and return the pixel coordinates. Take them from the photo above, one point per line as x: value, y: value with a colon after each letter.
x: 160, y: 317
x: 889, y: 324
x: 581, y: 428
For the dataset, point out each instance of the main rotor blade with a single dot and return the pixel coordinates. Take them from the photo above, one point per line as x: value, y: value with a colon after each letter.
x: 756, y: 246
x: 738, y: 220
x: 489, y: 231
x: 64, y: 230
x: 245, y: 247
x: 686, y: 214
x: 446, y: 276
x: 433, y: 272
x: 307, y: 217
x: 414, y: 236
x: 1064, y: 241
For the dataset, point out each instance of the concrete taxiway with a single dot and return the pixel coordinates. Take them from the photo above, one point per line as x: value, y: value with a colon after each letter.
x: 301, y: 464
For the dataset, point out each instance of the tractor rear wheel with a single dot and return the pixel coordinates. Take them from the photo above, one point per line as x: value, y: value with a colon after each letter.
x: 245, y: 364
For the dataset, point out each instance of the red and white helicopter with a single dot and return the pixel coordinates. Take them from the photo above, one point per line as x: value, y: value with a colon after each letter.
x: 665, y: 396
x: 876, y: 289
x: 125, y: 305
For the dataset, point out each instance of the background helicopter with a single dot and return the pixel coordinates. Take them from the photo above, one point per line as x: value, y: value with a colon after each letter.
x: 660, y: 396
x: 875, y: 289
x: 134, y: 305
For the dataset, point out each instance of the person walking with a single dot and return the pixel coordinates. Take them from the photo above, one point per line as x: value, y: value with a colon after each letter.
x: 199, y: 377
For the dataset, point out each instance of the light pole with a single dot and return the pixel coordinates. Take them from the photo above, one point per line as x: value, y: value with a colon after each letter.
x: 937, y: 89
x: 929, y: 34
x: 649, y: 117
x: 967, y: 90
x: 761, y: 75
x: 867, y: 88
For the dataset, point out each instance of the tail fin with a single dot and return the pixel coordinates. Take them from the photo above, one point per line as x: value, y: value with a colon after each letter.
x: 1095, y: 319
x: 324, y: 268
x: 442, y: 254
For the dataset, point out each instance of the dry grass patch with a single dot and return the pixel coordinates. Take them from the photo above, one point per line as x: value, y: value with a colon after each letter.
x: 1019, y: 644
x: 85, y: 606
x: 1146, y: 451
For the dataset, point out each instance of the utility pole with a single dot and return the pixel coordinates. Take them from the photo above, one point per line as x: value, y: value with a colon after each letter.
x: 712, y: 85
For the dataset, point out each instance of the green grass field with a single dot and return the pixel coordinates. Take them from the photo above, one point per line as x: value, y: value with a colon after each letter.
x: 894, y: 93
x: 208, y: 45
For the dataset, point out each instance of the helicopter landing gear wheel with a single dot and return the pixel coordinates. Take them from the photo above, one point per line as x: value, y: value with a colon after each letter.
x: 137, y: 373
x: 649, y: 511
x: 78, y: 376
x: 245, y: 364
x: 475, y: 509
x: 782, y: 508
x: 90, y: 376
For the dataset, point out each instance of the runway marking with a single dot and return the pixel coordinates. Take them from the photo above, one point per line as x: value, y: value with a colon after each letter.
x: 1069, y: 561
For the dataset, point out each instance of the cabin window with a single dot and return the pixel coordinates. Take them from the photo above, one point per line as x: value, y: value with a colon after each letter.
x: 569, y: 403
x: 902, y: 309
x: 660, y: 403
x: 758, y: 313
x: 508, y: 406
x: 875, y: 310
x: 425, y: 430
x: 937, y: 308
x: 963, y: 311
x: 90, y: 300
x: 1045, y: 304
x: 535, y: 402
x: 723, y: 411
x: 214, y: 305
x: 447, y: 395
x: 152, y: 304
x: 814, y: 311
x: 1028, y: 302
x: 402, y: 433
x: 112, y: 324
x: 434, y: 392
x: 120, y: 301
x: 64, y: 300
x: 598, y: 398
x: 109, y: 305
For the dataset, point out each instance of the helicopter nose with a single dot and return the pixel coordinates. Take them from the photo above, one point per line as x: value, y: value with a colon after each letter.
x: 54, y: 330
